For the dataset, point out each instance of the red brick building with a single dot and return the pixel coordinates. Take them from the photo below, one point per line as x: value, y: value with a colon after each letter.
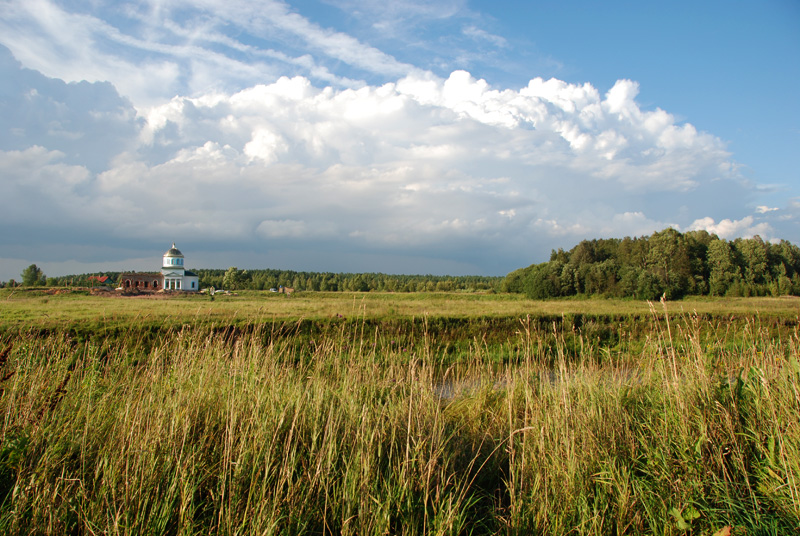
x: 141, y: 281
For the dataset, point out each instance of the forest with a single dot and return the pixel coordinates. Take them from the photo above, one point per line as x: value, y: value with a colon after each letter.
x: 667, y: 263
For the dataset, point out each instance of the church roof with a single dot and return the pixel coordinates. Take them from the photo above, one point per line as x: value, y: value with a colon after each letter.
x: 173, y: 252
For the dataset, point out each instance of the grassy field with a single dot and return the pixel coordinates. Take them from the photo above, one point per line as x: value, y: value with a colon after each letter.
x: 21, y: 309
x: 398, y: 414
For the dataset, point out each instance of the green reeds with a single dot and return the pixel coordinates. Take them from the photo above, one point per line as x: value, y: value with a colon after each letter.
x: 265, y: 432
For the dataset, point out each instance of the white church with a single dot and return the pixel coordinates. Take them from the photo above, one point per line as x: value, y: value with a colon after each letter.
x: 173, y: 275
x: 176, y: 277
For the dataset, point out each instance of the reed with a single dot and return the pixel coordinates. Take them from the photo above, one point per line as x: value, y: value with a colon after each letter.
x: 691, y: 429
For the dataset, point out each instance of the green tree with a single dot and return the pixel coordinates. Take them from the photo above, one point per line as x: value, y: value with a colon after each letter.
x: 583, y: 253
x: 723, y: 271
x: 628, y: 281
x: 668, y: 260
x: 697, y: 248
x: 542, y: 282
x: 648, y: 286
x: 753, y: 254
x: 33, y: 276
x: 513, y: 282
x: 232, y: 279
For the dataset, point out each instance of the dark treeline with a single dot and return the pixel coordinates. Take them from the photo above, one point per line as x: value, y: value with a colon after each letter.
x: 666, y: 263
x: 235, y: 279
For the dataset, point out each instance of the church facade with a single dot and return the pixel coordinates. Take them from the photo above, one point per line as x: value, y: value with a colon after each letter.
x: 173, y: 275
x: 176, y: 277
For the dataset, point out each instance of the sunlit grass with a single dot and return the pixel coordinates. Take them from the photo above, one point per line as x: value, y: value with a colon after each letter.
x: 21, y: 309
x: 690, y: 428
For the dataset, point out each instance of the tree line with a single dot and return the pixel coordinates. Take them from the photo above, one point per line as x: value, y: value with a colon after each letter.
x: 668, y: 263
x: 265, y: 279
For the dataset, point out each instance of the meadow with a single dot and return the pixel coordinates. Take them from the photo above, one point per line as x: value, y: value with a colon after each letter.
x: 371, y: 413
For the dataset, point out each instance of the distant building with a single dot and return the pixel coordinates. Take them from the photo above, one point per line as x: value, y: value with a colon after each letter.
x: 141, y: 280
x: 173, y: 275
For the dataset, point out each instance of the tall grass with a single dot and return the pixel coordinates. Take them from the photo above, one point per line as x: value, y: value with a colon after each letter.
x: 353, y: 433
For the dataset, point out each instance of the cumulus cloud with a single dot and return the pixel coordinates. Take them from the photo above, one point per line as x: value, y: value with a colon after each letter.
x: 729, y: 229
x: 87, y: 123
x: 423, y: 164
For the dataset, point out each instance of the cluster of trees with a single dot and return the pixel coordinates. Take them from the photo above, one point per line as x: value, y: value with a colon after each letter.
x: 666, y: 263
x: 235, y: 279
x: 32, y: 276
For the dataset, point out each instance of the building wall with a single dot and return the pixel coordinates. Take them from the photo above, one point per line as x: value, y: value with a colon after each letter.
x: 191, y: 282
x: 172, y: 262
x: 142, y: 281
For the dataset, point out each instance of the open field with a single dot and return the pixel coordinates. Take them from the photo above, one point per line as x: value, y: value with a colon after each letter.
x: 36, y: 308
x: 398, y: 414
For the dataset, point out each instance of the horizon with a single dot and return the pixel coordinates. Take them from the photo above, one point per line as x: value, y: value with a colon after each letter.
x: 463, y: 138
x: 390, y: 274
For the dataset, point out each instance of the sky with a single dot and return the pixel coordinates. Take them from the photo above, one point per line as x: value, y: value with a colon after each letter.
x: 453, y: 137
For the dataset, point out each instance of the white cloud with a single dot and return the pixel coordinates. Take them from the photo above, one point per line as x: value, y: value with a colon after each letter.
x: 265, y: 145
x: 729, y: 229
x: 600, y: 225
x: 480, y: 34
x: 159, y: 49
x: 63, y: 45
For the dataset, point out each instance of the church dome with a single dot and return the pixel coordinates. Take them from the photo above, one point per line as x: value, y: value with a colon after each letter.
x: 173, y: 252
x: 173, y: 259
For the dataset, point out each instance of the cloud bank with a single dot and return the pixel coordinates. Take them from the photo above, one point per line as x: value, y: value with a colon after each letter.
x: 374, y: 166
x: 445, y: 168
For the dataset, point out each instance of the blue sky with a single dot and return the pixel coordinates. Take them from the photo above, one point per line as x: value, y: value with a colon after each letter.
x: 449, y: 137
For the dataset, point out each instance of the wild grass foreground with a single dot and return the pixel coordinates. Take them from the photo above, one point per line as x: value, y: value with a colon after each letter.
x: 691, y: 429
